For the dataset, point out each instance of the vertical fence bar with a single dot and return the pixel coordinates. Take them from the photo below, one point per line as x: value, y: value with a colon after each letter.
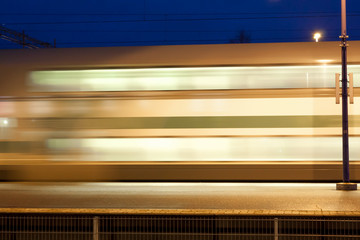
x: 105, y: 228
x: 276, y: 229
x: 96, y: 228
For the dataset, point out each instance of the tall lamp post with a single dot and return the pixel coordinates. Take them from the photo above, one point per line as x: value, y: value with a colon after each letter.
x: 345, y: 185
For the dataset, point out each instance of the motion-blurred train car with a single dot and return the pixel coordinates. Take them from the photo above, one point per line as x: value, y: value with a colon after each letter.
x: 234, y: 112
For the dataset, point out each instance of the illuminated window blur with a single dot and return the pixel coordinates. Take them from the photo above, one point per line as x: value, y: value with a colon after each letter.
x: 7, y: 126
x: 204, y: 78
x: 203, y: 149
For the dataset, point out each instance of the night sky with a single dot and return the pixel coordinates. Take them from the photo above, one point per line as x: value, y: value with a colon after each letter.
x: 97, y: 23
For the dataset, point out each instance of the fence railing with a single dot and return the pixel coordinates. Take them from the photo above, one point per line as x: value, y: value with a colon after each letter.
x: 131, y: 227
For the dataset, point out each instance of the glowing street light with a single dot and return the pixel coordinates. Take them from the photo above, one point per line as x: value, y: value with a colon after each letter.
x: 317, y: 36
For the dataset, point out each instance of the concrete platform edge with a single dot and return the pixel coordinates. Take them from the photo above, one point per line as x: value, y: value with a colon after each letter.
x: 205, y: 212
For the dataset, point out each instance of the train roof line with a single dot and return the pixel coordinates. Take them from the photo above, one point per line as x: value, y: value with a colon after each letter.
x: 301, y: 53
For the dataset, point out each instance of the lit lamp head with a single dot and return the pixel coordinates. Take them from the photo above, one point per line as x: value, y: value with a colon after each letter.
x: 317, y: 36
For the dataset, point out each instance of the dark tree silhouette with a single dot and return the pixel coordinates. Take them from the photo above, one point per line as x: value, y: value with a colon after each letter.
x: 242, y: 37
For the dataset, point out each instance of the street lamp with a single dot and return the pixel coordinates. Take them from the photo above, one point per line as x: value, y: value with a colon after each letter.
x: 345, y: 185
x: 317, y: 36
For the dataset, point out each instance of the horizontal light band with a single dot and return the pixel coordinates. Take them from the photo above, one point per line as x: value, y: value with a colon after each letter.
x: 202, y: 149
x: 205, y: 78
x: 322, y: 121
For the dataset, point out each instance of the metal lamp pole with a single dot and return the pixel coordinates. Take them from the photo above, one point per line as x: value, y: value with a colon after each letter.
x: 345, y: 185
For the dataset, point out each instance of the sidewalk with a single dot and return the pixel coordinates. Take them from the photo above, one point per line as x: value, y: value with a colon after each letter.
x: 292, y: 199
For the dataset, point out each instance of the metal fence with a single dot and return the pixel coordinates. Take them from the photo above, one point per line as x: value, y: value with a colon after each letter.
x: 129, y: 227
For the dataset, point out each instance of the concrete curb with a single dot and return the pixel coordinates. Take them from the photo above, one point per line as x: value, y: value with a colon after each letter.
x: 199, y: 212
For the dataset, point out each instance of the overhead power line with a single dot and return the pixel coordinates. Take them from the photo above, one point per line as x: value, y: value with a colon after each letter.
x: 22, y: 39
x: 170, y: 41
x: 180, y: 19
x: 164, y: 14
x: 175, y: 31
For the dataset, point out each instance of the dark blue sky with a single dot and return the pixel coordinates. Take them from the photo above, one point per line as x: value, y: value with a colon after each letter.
x: 90, y: 23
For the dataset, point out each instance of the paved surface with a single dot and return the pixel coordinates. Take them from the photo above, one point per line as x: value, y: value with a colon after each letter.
x: 180, y: 198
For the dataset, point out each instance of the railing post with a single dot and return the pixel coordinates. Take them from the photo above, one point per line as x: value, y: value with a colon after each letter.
x: 276, y: 229
x: 96, y: 228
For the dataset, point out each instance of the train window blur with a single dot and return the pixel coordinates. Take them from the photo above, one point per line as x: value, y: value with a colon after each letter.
x: 6, y: 127
x: 204, y: 78
x: 202, y: 149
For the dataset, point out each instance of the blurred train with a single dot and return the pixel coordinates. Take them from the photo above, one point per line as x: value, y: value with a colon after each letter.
x: 234, y: 112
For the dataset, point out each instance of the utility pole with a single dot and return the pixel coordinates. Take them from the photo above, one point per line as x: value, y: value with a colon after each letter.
x: 22, y: 39
x: 345, y: 185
